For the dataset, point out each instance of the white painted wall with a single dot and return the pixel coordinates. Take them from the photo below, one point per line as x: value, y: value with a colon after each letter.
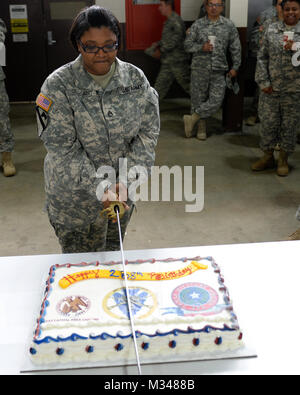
x: 117, y: 7
x: 238, y: 10
x: 190, y: 9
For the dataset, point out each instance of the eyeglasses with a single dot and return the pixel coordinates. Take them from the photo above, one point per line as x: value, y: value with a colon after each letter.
x: 211, y: 5
x: 95, y: 49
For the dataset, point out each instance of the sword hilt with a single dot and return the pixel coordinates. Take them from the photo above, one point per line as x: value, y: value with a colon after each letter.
x: 111, y: 211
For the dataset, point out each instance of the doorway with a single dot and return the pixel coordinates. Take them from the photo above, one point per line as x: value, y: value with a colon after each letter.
x: 144, y: 23
x: 36, y: 42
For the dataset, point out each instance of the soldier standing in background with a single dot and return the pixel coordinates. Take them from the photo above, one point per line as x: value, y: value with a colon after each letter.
x: 174, y: 60
x: 270, y: 14
x: 209, y: 64
x: 94, y: 113
x: 6, y: 136
x: 279, y: 81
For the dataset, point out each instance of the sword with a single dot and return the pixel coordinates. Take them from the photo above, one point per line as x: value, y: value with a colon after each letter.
x: 117, y: 211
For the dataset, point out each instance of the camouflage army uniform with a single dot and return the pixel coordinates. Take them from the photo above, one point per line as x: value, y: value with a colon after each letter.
x: 208, y: 83
x: 6, y: 136
x: 279, y: 112
x: 174, y: 60
x: 85, y: 127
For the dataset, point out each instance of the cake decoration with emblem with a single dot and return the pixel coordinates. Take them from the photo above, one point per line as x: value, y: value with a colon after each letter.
x: 143, y: 303
x: 73, y: 306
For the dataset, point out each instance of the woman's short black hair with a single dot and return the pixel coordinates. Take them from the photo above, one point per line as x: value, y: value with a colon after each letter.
x: 94, y: 16
x: 287, y: 1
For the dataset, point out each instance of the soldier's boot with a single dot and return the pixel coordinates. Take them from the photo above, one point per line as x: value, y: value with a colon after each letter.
x: 252, y: 120
x: 277, y: 147
x: 282, y: 166
x: 7, y: 164
x: 266, y: 162
x: 189, y: 123
x: 201, y: 133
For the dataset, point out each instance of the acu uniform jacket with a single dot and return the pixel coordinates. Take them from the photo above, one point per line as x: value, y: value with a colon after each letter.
x: 85, y: 127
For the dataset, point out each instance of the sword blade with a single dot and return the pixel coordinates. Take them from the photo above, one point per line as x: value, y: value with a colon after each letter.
x: 127, y: 294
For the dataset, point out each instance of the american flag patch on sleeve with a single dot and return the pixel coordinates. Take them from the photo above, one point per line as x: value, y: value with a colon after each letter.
x: 43, y: 102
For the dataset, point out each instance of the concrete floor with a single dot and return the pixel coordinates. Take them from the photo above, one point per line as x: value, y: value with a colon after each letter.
x: 239, y: 207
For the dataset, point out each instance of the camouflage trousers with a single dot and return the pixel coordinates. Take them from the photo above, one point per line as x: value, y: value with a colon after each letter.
x: 279, y: 115
x: 168, y: 73
x: 207, y: 91
x: 102, y: 235
x: 6, y: 136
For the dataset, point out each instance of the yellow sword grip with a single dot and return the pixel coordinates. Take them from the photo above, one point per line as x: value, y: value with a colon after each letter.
x: 110, y: 211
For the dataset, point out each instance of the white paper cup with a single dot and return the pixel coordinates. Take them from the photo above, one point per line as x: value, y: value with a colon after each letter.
x: 288, y: 36
x: 212, y: 40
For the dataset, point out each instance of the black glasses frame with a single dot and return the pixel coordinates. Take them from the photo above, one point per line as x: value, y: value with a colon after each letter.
x: 112, y: 47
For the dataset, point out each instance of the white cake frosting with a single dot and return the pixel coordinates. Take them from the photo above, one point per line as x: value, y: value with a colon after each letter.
x: 180, y: 307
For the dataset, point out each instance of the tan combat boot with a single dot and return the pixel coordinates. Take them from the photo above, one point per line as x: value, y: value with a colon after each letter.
x: 189, y: 123
x: 266, y: 162
x: 252, y: 120
x: 282, y: 166
x: 7, y: 164
x: 201, y: 133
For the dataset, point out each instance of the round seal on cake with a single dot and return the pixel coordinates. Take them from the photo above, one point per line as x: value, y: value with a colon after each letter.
x: 143, y: 303
x: 73, y: 306
x: 195, y: 297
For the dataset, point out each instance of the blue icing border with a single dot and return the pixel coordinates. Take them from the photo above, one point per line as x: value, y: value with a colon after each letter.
x: 104, y: 336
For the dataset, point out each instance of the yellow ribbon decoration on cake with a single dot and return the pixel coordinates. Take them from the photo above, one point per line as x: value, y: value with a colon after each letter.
x: 70, y: 279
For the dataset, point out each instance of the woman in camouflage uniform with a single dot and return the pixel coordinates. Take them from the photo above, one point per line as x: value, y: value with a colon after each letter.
x: 174, y: 60
x: 93, y: 114
x: 209, y: 64
x: 279, y: 81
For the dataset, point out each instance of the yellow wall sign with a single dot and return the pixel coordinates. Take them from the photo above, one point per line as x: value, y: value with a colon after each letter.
x: 19, y: 25
x: 18, y: 18
x: 70, y: 279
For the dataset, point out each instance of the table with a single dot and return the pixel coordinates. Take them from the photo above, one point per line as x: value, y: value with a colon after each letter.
x: 263, y: 281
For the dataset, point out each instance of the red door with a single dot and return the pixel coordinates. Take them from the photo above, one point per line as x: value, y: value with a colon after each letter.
x: 144, y: 23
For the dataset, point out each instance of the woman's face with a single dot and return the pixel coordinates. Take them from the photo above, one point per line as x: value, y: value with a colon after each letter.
x: 291, y: 13
x: 98, y: 63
